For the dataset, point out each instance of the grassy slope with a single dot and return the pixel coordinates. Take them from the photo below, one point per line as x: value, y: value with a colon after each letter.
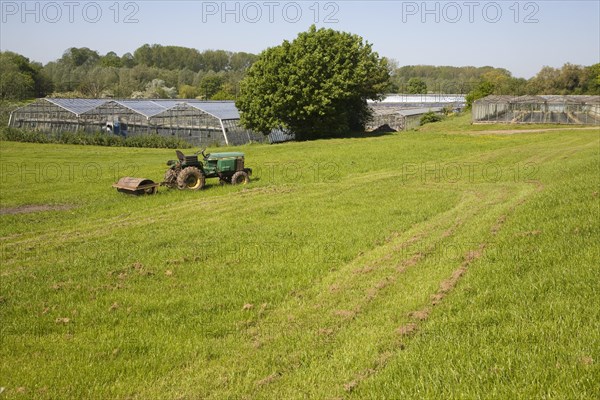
x: 317, y: 280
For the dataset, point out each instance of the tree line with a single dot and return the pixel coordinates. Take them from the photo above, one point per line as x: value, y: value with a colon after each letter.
x: 156, y: 71
x: 152, y: 71
x: 482, y: 81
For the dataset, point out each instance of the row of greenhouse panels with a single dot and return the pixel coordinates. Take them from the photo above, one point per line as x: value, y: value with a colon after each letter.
x: 197, y: 122
x: 575, y: 110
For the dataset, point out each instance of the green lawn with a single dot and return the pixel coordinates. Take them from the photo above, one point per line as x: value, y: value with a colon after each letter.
x: 412, y: 265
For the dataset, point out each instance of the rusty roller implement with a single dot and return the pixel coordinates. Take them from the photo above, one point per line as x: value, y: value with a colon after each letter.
x: 137, y: 186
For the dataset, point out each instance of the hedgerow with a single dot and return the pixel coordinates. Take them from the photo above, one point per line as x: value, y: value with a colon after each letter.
x: 92, y: 139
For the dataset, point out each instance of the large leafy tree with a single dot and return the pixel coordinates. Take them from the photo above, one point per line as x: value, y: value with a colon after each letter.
x: 315, y: 86
x: 416, y: 86
x: 591, y: 79
x: 21, y: 79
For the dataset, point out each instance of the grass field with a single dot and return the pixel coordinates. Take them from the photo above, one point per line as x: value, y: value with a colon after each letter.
x: 412, y: 265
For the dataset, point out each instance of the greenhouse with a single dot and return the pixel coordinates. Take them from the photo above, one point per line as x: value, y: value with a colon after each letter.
x: 197, y: 122
x: 576, y: 110
x: 398, y: 118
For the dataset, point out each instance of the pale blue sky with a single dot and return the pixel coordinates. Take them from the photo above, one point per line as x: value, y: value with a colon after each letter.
x: 521, y: 36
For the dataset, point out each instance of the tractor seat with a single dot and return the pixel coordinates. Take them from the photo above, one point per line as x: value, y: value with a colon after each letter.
x: 191, y: 160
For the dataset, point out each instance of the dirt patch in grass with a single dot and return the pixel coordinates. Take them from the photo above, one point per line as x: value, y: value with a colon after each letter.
x: 372, y: 292
x: 271, y: 378
x: 421, y: 315
x: 325, y: 331
x: 363, y: 270
x: 407, y: 329
x: 586, y: 360
x: 411, y: 262
x: 449, y: 284
x: 346, y: 314
x: 496, y: 228
x: 34, y: 208
x: 334, y: 288
x: 380, y: 363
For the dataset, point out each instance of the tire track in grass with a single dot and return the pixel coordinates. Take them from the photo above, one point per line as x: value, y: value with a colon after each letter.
x: 379, y: 276
x: 268, y: 353
x: 420, y: 316
x: 309, y: 321
x: 267, y: 330
x: 443, y: 231
x: 319, y: 315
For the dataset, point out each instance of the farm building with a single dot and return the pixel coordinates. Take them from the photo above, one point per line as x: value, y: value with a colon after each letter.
x: 576, y: 110
x: 197, y: 122
x: 398, y: 118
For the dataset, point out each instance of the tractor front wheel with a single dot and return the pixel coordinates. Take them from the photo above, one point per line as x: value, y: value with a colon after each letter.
x: 190, y: 178
x: 240, y: 178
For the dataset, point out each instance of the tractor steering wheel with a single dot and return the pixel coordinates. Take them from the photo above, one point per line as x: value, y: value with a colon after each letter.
x: 205, y: 156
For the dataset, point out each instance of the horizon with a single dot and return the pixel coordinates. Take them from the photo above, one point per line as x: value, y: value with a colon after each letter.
x: 521, y: 37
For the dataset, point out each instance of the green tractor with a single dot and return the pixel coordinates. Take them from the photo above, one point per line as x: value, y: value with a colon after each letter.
x: 190, y: 173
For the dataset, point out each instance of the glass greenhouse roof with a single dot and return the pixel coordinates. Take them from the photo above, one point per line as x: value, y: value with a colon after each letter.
x: 77, y: 106
x: 147, y: 108
x: 220, y: 109
x: 542, y: 99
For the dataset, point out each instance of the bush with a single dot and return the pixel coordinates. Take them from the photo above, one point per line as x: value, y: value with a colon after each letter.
x: 95, y: 139
x: 156, y: 141
x: 430, y: 117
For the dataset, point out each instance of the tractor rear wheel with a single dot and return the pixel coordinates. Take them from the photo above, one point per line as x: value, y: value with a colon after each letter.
x: 190, y: 178
x: 240, y: 178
